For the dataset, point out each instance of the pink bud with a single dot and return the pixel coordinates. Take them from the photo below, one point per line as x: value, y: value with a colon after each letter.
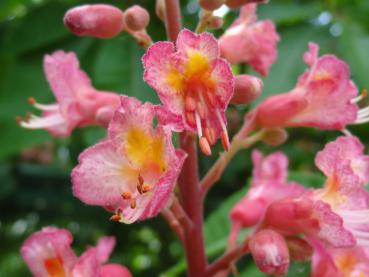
x: 136, y: 18
x: 211, y: 5
x: 234, y: 4
x: 247, y: 89
x: 114, y: 270
x: 101, y: 21
x: 299, y: 249
x: 270, y: 252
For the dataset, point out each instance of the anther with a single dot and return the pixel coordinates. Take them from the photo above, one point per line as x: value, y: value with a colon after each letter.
x: 31, y: 100
x: 133, y: 204
x: 140, y: 179
x: 18, y: 119
x: 126, y: 195
x: 210, y: 135
x: 115, y: 217
x: 204, y: 146
x: 190, y: 117
x: 139, y: 188
x: 146, y: 188
x: 225, y: 140
x: 190, y: 104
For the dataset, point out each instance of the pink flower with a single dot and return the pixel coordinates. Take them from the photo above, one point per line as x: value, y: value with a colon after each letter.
x: 270, y: 252
x: 48, y: 253
x: 134, y: 170
x: 269, y: 184
x: 193, y: 83
x: 337, y: 213
x: 339, y: 262
x: 250, y: 41
x: 324, y: 97
x: 78, y: 103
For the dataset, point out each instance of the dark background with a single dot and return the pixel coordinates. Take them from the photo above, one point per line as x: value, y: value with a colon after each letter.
x: 35, y: 188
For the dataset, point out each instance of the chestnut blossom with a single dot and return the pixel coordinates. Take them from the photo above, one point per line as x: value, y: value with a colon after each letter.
x: 193, y: 83
x: 48, y: 253
x: 134, y: 170
x: 324, y: 97
x: 269, y: 184
x: 336, y: 214
x: 78, y: 103
x: 339, y: 262
x: 250, y: 41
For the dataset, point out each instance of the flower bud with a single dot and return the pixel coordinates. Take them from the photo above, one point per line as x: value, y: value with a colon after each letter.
x: 211, y: 5
x: 299, y: 249
x: 160, y: 9
x: 274, y: 136
x: 234, y: 4
x: 247, y: 89
x: 101, y: 21
x: 215, y: 22
x: 136, y: 18
x: 270, y: 252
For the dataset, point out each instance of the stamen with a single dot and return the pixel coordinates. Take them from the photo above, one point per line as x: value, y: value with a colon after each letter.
x: 52, y: 107
x: 361, y: 121
x: 346, y: 132
x: 202, y: 110
x: 126, y: 195
x: 133, y: 204
x: 191, y: 120
x: 115, y: 217
x: 140, y: 179
x: 190, y: 104
x: 139, y: 188
x: 18, y: 119
x: 363, y: 112
x: 357, y: 99
x: 224, y: 135
x: 204, y: 146
x: 34, y: 122
x: 146, y: 188
x: 210, y: 135
x: 198, y: 125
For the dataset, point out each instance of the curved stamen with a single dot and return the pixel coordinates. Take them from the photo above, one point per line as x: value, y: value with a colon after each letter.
x: 35, y: 122
x: 43, y: 107
x: 357, y: 99
x: 224, y: 135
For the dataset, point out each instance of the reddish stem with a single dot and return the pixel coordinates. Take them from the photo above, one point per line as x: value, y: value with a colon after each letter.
x: 192, y: 203
x: 223, y: 262
x: 188, y: 181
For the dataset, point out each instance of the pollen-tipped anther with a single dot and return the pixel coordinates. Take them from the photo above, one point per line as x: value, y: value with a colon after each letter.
x: 146, y: 188
x: 126, y: 195
x: 205, y: 146
x: 225, y: 140
x: 31, y: 100
x: 210, y: 135
x: 133, y: 204
x: 115, y: 217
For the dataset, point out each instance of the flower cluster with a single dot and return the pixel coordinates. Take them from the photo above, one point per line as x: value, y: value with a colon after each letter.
x: 133, y: 172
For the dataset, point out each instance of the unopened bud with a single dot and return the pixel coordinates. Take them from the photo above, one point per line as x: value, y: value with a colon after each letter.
x: 160, y: 9
x: 247, y: 88
x: 299, y: 249
x: 215, y: 22
x: 136, y: 18
x: 101, y: 21
x: 234, y: 4
x: 104, y: 115
x: 274, y: 136
x: 270, y: 252
x: 211, y: 5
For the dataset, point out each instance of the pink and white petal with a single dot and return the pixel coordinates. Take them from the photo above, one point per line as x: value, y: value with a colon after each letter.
x: 48, y: 243
x: 322, y: 261
x: 248, y: 13
x: 102, y: 175
x: 104, y: 247
x: 233, y: 45
x: 272, y: 168
x: 65, y: 77
x: 115, y: 270
x: 344, y: 148
x: 223, y: 76
x: 87, y: 265
x: 205, y: 43
x: 168, y: 119
x: 159, y: 61
x: 331, y: 226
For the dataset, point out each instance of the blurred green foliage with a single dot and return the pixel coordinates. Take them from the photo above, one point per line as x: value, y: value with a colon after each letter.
x: 35, y: 186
